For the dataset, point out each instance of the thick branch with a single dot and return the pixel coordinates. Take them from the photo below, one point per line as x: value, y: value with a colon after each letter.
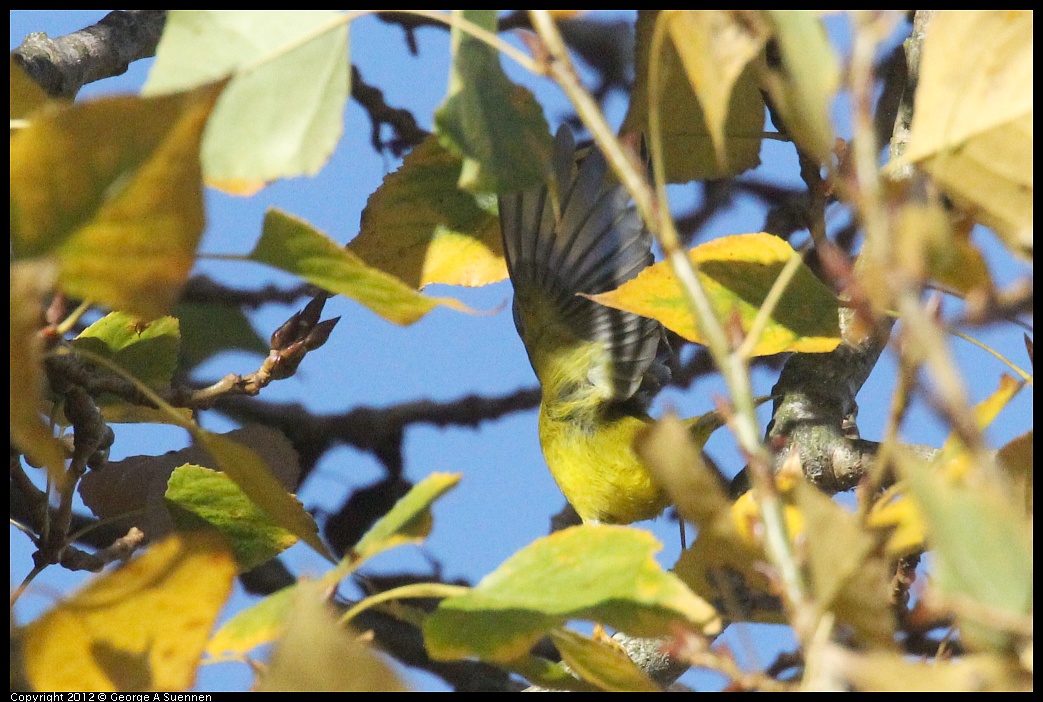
x: 815, y: 406
x: 64, y: 65
x: 376, y: 430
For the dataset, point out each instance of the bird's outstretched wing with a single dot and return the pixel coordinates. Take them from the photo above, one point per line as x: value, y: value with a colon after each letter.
x: 586, y: 239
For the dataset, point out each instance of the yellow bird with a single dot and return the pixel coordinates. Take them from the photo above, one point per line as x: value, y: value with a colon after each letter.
x: 597, y: 366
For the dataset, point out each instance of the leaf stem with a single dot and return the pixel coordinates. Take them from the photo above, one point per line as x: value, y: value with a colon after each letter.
x: 405, y: 592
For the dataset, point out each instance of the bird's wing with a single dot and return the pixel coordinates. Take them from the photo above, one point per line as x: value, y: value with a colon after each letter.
x: 587, y: 240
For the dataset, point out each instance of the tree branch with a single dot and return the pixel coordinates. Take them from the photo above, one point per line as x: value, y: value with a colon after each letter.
x: 64, y: 65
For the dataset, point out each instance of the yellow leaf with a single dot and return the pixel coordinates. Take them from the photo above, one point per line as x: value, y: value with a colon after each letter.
x: 421, y: 228
x: 725, y: 566
x: 688, y: 144
x: 737, y: 273
x: 26, y: 95
x: 879, y: 671
x: 259, y: 624
x: 972, y: 129
x: 112, y: 189
x: 895, y: 511
x: 139, y: 628
x: 715, y: 50
x: 601, y: 662
x: 295, y: 246
x: 29, y: 281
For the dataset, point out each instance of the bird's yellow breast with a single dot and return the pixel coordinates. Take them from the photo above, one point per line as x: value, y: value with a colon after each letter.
x: 597, y: 469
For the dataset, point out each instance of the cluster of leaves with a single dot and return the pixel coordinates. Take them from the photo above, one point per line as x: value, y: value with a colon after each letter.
x: 107, y: 206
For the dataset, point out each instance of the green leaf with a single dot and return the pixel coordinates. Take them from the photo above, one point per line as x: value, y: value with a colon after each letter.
x: 130, y: 492
x: 409, y: 521
x: 497, y: 127
x: 984, y: 548
x: 283, y: 111
x: 421, y: 228
x: 147, y: 351
x: 260, y: 624
x: 601, y: 662
x: 738, y: 272
x: 803, y: 85
x: 688, y: 144
x: 295, y: 246
x: 112, y: 189
x: 212, y: 499
x: 597, y: 572
x: 315, y: 653
x: 139, y: 627
x: 249, y: 472
x: 716, y: 50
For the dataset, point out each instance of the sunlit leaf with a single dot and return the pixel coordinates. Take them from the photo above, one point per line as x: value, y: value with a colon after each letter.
x: 283, y: 111
x: 737, y: 273
x: 146, y: 350
x: 894, y: 672
x: 894, y: 510
x: 972, y: 129
x: 248, y: 470
x: 30, y: 280
x: 111, y: 188
x: 716, y: 50
x: 985, y: 412
x: 601, y: 662
x: 983, y: 546
x: 804, y: 80
x: 598, y: 572
x: 295, y: 246
x: 409, y: 521
x: 141, y: 627
x: 130, y: 491
x: 687, y: 142
x: 420, y: 227
x: 259, y: 624
x: 849, y: 576
x: 316, y: 654
x: 213, y: 500
x: 929, y: 243
x: 726, y: 565
x: 497, y: 127
x: 1016, y: 459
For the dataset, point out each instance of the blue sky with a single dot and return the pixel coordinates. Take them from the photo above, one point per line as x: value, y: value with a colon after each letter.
x: 506, y: 496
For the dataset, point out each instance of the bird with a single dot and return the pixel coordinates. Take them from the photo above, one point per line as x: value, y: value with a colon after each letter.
x: 598, y: 367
